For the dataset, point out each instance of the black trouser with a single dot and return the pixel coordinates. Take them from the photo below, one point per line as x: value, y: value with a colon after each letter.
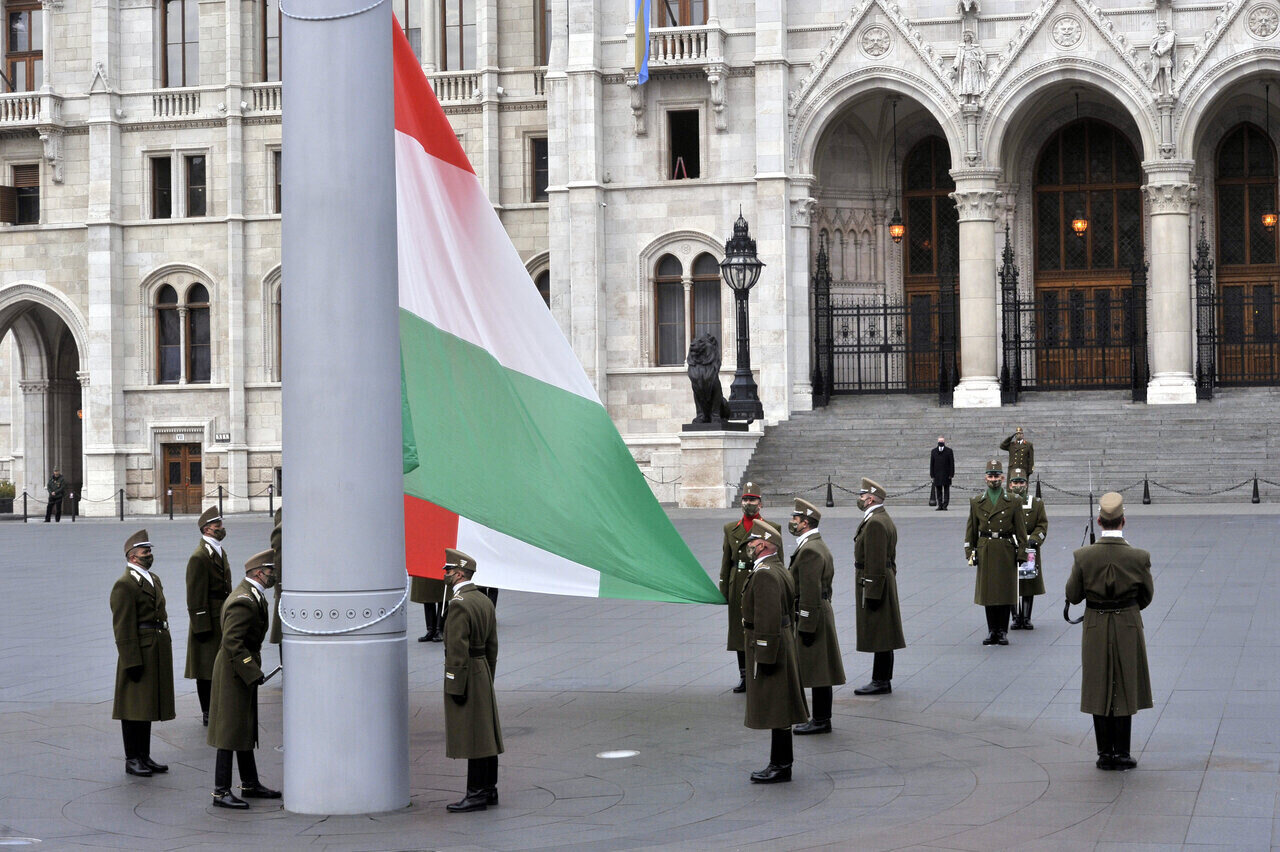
x: 491, y: 592
x: 1112, y: 734
x: 742, y: 663
x: 942, y: 492
x: 202, y: 690
x: 137, y: 739
x: 822, y: 704
x: 882, y: 666
x: 432, y: 613
x: 222, y: 769
x: 482, y: 773
x: 998, y: 618
x: 54, y: 508
x: 1025, y: 611
x: 780, y: 753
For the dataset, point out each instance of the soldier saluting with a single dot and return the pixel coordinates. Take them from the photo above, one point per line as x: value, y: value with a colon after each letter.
x: 735, y: 567
x: 812, y: 570
x: 1021, y: 453
x: 1037, y: 524
x: 208, y: 585
x: 1113, y: 578
x: 995, y: 540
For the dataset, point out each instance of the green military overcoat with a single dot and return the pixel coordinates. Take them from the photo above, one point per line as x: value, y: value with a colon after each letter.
x: 1037, y: 524
x: 277, y: 557
x: 1115, y: 680
x: 233, y: 703
x: 997, y: 580
x: 775, y: 698
x: 135, y: 602
x: 875, y: 555
x: 425, y: 590
x: 812, y: 570
x: 208, y: 584
x: 470, y: 658
x: 735, y: 567
x: 1020, y: 455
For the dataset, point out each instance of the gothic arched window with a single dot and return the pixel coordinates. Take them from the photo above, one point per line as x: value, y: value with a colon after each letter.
x: 1246, y: 188
x: 168, y: 336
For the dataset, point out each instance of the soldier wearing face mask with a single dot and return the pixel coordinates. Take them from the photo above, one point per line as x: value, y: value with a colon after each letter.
x: 1030, y: 573
x: 208, y: 585
x: 735, y: 567
x: 144, y: 672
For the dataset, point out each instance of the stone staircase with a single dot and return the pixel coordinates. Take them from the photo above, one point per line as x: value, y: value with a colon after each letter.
x: 1079, y: 437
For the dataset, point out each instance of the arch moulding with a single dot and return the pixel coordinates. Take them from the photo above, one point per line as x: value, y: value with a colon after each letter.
x: 13, y: 295
x: 684, y: 245
x: 1197, y: 100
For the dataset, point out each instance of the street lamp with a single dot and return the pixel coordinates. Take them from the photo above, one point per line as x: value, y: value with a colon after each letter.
x: 741, y: 270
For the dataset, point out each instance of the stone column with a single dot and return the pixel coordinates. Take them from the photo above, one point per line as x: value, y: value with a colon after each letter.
x: 1169, y: 193
x: 487, y: 68
x: 430, y: 34
x: 799, y: 334
x: 975, y: 198
x: 47, y: 8
x: 233, y: 295
x: 35, y: 438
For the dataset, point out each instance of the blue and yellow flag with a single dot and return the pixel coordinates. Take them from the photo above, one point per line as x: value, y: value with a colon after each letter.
x: 643, y: 12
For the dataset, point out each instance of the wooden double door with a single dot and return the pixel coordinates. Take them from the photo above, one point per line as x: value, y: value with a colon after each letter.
x: 183, y: 474
x: 1248, y: 321
x: 1085, y: 331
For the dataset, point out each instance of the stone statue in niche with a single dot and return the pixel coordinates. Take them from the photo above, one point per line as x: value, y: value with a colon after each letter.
x: 1160, y: 77
x: 969, y: 69
x: 704, y: 375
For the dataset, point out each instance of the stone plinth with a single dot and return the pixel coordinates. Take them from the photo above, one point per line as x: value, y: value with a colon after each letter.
x: 711, y: 463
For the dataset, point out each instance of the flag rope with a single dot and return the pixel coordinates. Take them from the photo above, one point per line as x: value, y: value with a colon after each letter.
x: 296, y: 629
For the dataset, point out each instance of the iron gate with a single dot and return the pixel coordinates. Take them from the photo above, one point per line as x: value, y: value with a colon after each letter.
x: 1073, y: 337
x: 1236, y: 327
x: 875, y: 344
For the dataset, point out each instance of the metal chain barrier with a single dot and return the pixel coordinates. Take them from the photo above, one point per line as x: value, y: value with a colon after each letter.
x: 1051, y: 487
x: 659, y: 481
x: 296, y: 629
x: 1248, y: 481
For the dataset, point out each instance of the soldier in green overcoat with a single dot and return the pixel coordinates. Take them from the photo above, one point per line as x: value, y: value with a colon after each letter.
x: 995, y: 540
x: 471, y: 726
x: 775, y: 698
x: 144, y: 670
x: 429, y: 592
x: 735, y: 567
x: 812, y: 570
x: 1021, y: 453
x: 1037, y: 524
x: 1113, y: 578
x: 277, y: 554
x: 875, y: 561
x: 237, y: 673
x: 208, y: 585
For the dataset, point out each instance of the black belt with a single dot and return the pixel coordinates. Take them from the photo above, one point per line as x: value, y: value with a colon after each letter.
x: 1005, y: 536
x: 826, y: 596
x: 1111, y: 606
x: 747, y: 625
x: 153, y: 625
x: 476, y: 652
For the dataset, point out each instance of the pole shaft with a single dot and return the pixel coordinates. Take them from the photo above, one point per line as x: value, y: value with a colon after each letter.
x: 346, y: 698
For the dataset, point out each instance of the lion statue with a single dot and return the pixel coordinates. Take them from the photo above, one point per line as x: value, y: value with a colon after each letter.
x: 704, y: 375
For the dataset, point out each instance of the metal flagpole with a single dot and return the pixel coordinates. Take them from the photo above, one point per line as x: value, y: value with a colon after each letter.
x: 346, y: 689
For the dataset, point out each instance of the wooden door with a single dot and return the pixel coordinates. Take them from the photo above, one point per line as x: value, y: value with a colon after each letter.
x: 1083, y: 333
x: 184, y: 475
x: 1248, y: 319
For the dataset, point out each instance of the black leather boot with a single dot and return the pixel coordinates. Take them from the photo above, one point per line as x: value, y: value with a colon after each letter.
x: 772, y: 774
x: 475, y: 800
x: 227, y: 799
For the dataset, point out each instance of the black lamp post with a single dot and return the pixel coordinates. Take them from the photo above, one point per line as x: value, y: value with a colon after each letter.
x: 741, y: 270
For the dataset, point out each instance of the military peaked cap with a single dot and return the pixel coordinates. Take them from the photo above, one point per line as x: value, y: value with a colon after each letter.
x: 265, y: 559
x: 138, y: 539
x: 807, y: 509
x: 765, y: 530
x: 749, y: 489
x: 1018, y: 431
x: 994, y: 466
x: 208, y: 516
x: 1111, y: 506
x: 1016, y: 474
x: 870, y: 486
x: 458, y: 559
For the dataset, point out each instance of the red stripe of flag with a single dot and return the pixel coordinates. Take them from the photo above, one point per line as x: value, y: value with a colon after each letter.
x: 428, y: 530
x: 418, y: 113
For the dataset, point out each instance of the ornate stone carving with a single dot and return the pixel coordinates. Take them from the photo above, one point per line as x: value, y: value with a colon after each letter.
x: 1161, y: 59
x: 52, y: 5
x: 1264, y: 20
x: 637, y: 104
x: 969, y: 70
x: 1169, y: 197
x: 976, y: 204
x: 1127, y: 51
x: 1021, y: 37
x: 99, y: 82
x: 1066, y: 31
x: 802, y: 215
x: 715, y: 79
x: 875, y: 41
x: 969, y: 7
x: 51, y: 139
x: 1225, y: 17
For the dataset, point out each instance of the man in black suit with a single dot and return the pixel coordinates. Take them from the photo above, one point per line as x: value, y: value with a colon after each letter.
x: 942, y: 467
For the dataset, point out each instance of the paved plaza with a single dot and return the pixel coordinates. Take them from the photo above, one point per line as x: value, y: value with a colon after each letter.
x: 978, y: 748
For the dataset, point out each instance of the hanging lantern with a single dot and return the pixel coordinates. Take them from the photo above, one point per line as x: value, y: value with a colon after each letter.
x: 896, y: 228
x: 1079, y: 224
x: 1269, y: 221
x: 1269, y: 217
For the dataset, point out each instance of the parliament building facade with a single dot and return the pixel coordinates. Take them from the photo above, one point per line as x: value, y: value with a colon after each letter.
x: 964, y: 198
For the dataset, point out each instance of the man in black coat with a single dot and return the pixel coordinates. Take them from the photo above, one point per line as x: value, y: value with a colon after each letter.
x: 57, y: 488
x: 942, y: 467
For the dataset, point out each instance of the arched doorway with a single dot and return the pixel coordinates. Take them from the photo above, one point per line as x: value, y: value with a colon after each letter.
x: 930, y: 252
x: 1088, y: 246
x: 1248, y: 272
x: 46, y: 409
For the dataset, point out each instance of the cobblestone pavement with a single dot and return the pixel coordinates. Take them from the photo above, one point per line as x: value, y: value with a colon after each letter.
x: 977, y: 748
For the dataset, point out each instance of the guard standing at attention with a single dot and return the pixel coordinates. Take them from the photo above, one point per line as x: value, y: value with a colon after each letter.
x: 875, y: 561
x: 735, y: 567
x: 144, y: 671
x: 429, y: 592
x: 1031, y: 572
x: 812, y: 570
x: 995, y: 541
x: 1021, y: 453
x: 1113, y: 578
x: 208, y: 585
x: 471, y: 726
x: 775, y: 698
x: 237, y: 673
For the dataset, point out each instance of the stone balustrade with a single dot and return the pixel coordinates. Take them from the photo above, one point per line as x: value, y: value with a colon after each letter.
x: 263, y: 97
x: 20, y: 108
x: 455, y: 86
x: 679, y: 45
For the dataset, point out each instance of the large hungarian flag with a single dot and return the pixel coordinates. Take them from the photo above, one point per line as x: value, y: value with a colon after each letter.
x: 518, y: 463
